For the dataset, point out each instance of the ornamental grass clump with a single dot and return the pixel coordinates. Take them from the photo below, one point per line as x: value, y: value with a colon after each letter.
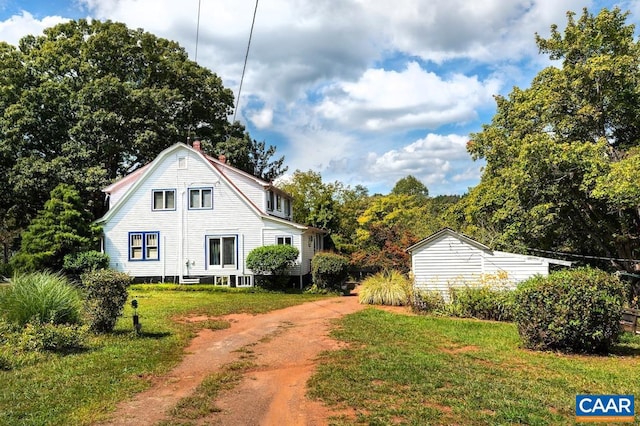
x: 386, y: 288
x: 40, y: 297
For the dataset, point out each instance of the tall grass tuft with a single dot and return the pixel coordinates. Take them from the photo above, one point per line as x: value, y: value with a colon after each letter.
x: 386, y: 288
x: 42, y: 297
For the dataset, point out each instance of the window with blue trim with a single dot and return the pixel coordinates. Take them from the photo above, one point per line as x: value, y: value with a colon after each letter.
x: 164, y: 199
x: 201, y: 198
x: 144, y: 246
x: 222, y: 251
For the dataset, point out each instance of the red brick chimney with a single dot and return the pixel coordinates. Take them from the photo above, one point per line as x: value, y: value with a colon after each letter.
x: 196, y: 146
x: 222, y: 158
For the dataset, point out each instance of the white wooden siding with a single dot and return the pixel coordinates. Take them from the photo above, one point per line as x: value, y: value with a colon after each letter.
x: 183, y: 232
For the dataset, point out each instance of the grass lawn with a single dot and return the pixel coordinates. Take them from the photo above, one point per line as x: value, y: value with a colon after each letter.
x: 423, y: 370
x: 82, y: 388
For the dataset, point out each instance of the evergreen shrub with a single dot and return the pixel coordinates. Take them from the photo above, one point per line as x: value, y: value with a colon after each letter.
x: 575, y: 310
x: 75, y: 264
x: 271, y: 264
x: 105, y: 294
x: 329, y: 270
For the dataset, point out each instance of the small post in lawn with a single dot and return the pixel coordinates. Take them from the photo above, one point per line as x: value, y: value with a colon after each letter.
x: 136, y: 320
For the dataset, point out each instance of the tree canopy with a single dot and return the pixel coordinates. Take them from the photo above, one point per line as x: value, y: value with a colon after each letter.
x: 90, y: 101
x: 561, y: 155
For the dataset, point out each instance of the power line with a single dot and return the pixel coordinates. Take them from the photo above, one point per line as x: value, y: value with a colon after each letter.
x: 246, y: 57
x: 197, y: 33
x: 583, y: 256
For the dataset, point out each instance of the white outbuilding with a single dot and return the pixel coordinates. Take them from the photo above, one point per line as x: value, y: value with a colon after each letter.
x: 448, y: 259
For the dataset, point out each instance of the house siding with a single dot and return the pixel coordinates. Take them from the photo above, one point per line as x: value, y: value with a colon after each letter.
x: 448, y: 259
x: 184, y: 232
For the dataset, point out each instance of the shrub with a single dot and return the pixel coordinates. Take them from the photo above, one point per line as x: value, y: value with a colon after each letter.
x: 329, y: 270
x: 571, y: 311
x: 75, y: 264
x: 386, y: 288
x: 273, y: 261
x: 40, y: 297
x: 40, y: 337
x: 427, y: 301
x: 484, y: 303
x: 106, y: 294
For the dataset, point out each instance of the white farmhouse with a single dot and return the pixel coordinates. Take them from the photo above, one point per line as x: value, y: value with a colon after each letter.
x: 448, y: 259
x: 187, y: 217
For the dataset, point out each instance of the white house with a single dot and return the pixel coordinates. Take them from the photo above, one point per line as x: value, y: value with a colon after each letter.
x: 187, y: 217
x: 448, y: 258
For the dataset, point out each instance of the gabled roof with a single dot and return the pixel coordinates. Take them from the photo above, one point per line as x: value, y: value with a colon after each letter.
x: 450, y: 232
x: 136, y: 178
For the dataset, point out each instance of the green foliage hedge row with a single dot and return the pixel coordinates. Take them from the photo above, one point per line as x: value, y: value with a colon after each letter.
x: 76, y: 264
x: 271, y: 264
x: 575, y: 310
x: 329, y: 270
x: 484, y: 303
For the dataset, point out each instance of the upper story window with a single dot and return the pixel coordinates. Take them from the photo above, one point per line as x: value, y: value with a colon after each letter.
x: 270, y: 200
x: 144, y: 245
x: 164, y: 199
x: 200, y: 198
x: 182, y: 162
x: 287, y: 207
x: 284, y: 240
x: 279, y: 202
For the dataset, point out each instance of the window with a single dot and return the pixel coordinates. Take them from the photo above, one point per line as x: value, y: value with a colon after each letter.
x: 201, y: 198
x: 182, y: 162
x: 279, y: 203
x: 287, y: 207
x: 221, y: 280
x: 164, y: 199
x: 144, y: 246
x: 222, y: 252
x: 284, y: 240
x: 270, y: 200
x: 243, y: 281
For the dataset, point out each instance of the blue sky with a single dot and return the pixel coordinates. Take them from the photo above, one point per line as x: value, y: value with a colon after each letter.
x: 359, y: 91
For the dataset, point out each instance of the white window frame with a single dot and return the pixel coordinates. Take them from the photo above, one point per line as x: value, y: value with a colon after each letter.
x: 222, y: 254
x: 282, y: 240
x: 182, y: 162
x: 222, y: 280
x: 244, y: 280
x: 201, y: 198
x: 279, y: 202
x: 165, y: 200
x: 270, y: 201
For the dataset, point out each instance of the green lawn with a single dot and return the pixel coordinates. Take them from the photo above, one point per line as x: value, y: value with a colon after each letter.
x: 83, y: 388
x: 422, y: 370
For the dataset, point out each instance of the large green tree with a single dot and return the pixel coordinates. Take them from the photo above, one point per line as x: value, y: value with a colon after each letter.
x: 252, y: 156
x: 89, y: 101
x: 560, y: 155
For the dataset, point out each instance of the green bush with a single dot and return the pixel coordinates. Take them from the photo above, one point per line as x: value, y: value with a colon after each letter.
x: 484, y: 303
x: 40, y: 337
x: 40, y: 297
x: 427, y: 301
x: 329, y: 270
x: 106, y: 294
x: 76, y: 264
x: 386, y: 288
x: 570, y: 311
x: 272, y: 262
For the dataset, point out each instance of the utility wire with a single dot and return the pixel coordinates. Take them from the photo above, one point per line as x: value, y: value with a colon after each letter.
x: 246, y: 57
x: 197, y: 33
x: 582, y: 256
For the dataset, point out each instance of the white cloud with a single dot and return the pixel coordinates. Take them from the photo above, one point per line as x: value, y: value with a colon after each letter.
x: 413, y: 98
x: 262, y: 119
x: 18, y: 26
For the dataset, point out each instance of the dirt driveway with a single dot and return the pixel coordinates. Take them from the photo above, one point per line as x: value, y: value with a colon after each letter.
x: 286, y: 344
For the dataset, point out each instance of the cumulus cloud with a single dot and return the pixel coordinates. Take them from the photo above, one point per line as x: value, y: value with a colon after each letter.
x: 18, y: 26
x: 413, y: 98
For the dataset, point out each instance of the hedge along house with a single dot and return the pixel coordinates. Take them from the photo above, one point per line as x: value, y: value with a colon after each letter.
x: 190, y: 218
x: 448, y: 259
